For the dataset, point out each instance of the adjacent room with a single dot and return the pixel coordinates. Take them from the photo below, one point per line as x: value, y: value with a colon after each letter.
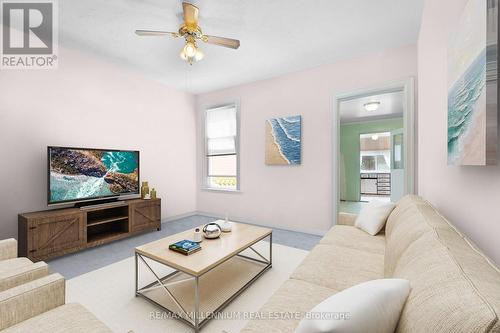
x: 249, y: 166
x: 371, y: 158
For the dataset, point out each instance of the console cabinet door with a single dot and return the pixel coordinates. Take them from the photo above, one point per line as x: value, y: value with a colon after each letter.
x: 145, y: 215
x: 53, y: 235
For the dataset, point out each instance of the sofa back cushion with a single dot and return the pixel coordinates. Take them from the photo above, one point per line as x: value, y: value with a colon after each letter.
x: 402, y: 229
x: 455, y: 288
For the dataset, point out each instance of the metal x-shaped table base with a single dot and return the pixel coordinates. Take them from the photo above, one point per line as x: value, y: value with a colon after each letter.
x: 194, y: 319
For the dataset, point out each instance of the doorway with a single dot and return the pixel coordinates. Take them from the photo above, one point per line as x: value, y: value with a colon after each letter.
x: 373, y: 146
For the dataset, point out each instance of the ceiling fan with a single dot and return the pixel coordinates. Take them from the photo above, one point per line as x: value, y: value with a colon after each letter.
x: 191, y: 32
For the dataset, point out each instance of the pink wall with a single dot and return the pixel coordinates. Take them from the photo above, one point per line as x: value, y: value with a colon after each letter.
x: 300, y: 197
x: 91, y: 103
x: 467, y: 196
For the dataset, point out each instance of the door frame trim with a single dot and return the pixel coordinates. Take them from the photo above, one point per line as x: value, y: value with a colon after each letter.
x: 407, y: 86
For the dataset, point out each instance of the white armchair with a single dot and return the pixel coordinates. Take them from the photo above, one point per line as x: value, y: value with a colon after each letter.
x: 16, y: 271
x: 31, y: 299
x: 39, y: 306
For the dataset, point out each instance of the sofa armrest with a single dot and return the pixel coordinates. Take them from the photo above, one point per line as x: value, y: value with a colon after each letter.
x: 21, y: 275
x: 347, y: 219
x: 31, y: 299
x: 8, y: 249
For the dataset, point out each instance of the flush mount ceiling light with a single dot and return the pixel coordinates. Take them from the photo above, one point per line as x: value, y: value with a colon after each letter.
x: 372, y: 106
x: 191, y: 32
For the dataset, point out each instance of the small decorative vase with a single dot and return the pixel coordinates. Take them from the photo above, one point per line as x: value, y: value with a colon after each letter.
x: 226, y: 226
x: 144, y: 190
x: 153, y: 193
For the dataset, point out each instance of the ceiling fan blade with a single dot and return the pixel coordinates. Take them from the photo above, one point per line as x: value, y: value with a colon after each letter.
x: 190, y: 15
x: 222, y: 41
x: 155, y: 33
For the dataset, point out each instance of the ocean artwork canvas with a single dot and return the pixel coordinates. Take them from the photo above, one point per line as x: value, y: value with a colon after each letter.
x: 472, y: 85
x: 283, y: 141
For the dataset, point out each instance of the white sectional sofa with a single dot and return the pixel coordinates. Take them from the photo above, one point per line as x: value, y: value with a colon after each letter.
x: 454, y: 286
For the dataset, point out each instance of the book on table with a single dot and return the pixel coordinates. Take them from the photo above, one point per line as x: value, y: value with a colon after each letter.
x: 185, y: 246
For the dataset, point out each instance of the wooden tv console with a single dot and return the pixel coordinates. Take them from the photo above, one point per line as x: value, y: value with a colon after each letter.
x: 52, y: 233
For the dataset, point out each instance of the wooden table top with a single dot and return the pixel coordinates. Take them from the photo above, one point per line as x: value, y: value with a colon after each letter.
x: 213, y: 251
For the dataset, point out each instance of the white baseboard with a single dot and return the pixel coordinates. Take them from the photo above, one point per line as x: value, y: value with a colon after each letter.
x: 304, y: 231
x: 178, y: 217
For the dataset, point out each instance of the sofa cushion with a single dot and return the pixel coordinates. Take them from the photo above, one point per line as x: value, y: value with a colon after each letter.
x: 31, y: 299
x: 20, y: 275
x: 480, y: 271
x: 402, y: 206
x: 71, y: 317
x: 372, y: 306
x: 442, y: 298
x: 354, y: 238
x: 455, y: 288
x: 373, y: 216
x: 294, y: 296
x: 401, y: 231
x: 339, y: 267
x: 14, y: 263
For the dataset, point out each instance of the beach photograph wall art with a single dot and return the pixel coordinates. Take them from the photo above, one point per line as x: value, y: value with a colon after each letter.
x: 283, y: 141
x: 472, y: 85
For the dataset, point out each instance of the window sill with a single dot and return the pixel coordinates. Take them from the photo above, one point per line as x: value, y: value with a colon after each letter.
x: 210, y: 189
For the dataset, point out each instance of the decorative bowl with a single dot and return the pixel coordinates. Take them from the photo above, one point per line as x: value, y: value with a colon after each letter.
x: 212, y: 230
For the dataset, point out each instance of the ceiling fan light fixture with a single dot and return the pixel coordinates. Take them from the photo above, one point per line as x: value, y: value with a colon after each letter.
x: 190, y: 49
x: 191, y: 32
x: 190, y: 52
x: 199, y: 55
x: 183, y: 55
x: 372, y: 106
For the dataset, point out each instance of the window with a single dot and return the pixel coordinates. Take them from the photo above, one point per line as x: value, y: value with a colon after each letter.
x: 375, y: 152
x: 375, y: 161
x: 221, y: 148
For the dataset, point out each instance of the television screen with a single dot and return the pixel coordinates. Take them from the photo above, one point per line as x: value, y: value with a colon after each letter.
x: 77, y: 174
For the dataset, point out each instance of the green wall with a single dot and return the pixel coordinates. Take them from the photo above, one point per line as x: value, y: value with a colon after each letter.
x: 349, y: 149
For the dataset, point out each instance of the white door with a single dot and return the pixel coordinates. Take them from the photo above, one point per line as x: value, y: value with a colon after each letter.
x: 397, y: 165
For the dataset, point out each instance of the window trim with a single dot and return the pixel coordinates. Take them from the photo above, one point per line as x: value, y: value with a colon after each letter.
x: 204, y: 183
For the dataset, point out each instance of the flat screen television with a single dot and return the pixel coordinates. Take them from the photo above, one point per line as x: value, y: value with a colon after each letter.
x: 81, y: 174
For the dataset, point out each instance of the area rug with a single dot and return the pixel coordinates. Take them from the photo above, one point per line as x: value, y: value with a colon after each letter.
x: 109, y: 293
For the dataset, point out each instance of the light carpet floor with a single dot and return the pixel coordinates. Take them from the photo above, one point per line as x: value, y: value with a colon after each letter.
x: 108, y: 292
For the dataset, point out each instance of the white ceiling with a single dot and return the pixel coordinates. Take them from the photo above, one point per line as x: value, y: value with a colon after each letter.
x: 277, y: 36
x: 391, y: 106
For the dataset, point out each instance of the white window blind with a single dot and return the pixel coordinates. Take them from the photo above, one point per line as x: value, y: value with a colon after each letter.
x: 221, y: 131
x: 221, y: 126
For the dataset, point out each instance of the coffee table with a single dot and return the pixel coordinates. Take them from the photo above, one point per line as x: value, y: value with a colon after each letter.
x: 196, y: 288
